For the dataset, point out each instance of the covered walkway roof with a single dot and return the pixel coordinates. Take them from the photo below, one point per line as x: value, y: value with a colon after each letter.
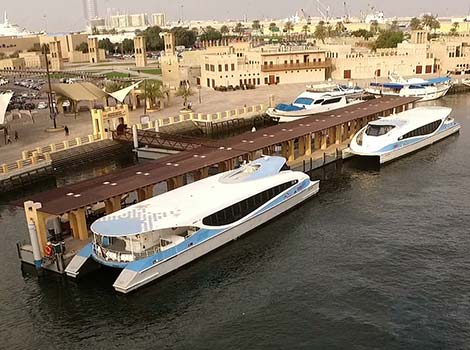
x: 72, y: 197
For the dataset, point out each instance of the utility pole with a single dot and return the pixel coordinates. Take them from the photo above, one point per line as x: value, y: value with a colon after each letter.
x: 49, y: 95
x: 145, y: 97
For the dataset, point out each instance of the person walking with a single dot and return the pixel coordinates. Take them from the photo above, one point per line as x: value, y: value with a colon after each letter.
x: 9, y: 139
x: 67, y: 131
x: 16, y: 136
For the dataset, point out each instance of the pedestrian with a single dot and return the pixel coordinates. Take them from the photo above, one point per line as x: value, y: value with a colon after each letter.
x: 16, y: 135
x: 66, y: 129
x: 9, y: 139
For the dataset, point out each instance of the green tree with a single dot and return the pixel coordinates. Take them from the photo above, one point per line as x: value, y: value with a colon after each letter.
x: 340, y: 28
x: 211, y: 34
x: 394, y: 26
x: 306, y: 29
x: 224, y: 30
x: 415, y: 24
x: 320, y: 32
x: 455, y: 29
x: 362, y: 33
x: 106, y: 45
x: 256, y: 25
x: 239, y: 29
x: 83, y: 47
x: 153, y: 39
x: 288, y: 27
x: 184, y: 36
x: 185, y: 92
x: 388, y: 39
x: 273, y: 27
x: 430, y: 22
x: 128, y: 45
x: 154, y: 91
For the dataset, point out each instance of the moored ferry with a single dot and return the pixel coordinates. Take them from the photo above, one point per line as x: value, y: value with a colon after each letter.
x: 152, y: 238
x: 316, y: 99
x: 397, y: 135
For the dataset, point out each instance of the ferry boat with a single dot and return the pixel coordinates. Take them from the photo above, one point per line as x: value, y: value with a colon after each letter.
x: 392, y: 137
x: 152, y: 238
x: 316, y: 99
x: 427, y: 90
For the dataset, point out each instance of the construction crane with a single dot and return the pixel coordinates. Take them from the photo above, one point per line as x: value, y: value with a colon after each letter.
x: 323, y: 10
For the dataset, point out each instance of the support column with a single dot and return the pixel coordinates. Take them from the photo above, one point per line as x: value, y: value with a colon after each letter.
x: 331, y: 135
x: 317, y: 140
x: 33, y: 214
x: 174, y: 182
x: 201, y: 174
x: 112, y: 204
x: 301, y: 146
x: 144, y: 193
x: 290, y: 150
x: 338, y: 134
x: 73, y: 224
x: 81, y: 224
x: 324, y: 141
x: 352, y: 129
x: 308, y: 144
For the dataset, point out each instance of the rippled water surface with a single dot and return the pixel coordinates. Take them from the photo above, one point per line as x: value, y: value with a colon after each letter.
x: 378, y: 260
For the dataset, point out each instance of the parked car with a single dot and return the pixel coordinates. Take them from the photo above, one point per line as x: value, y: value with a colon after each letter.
x: 43, y: 105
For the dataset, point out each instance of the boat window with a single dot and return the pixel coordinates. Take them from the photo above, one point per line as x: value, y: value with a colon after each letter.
x: 317, y: 102
x: 303, y: 101
x: 241, y: 209
x: 331, y: 101
x: 423, y: 130
x: 378, y: 130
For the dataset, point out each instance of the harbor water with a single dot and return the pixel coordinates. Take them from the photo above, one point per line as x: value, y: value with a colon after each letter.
x: 380, y: 259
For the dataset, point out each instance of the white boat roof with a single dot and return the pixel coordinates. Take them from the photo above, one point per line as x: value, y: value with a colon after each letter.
x: 5, y: 98
x: 415, y: 117
x: 188, y: 205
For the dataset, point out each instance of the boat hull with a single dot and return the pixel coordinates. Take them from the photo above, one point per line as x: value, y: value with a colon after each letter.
x: 130, y: 280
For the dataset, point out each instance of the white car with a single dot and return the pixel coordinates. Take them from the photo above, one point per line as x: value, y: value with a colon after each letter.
x: 42, y: 105
x: 66, y: 104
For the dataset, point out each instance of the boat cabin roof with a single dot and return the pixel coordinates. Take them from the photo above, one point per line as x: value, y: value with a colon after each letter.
x: 414, y: 117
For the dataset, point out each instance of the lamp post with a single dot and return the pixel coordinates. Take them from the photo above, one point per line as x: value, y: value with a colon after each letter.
x: 49, y: 95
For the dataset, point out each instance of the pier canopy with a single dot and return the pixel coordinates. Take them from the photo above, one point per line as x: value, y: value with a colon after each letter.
x: 5, y: 98
x: 81, y: 91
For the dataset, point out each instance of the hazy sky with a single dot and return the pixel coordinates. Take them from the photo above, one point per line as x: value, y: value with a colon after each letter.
x: 67, y: 15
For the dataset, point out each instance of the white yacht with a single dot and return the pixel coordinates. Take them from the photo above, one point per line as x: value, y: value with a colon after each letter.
x: 152, y: 238
x: 397, y: 135
x: 316, y: 99
x: 426, y: 90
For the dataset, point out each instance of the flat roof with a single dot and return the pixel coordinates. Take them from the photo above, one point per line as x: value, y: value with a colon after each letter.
x: 65, y: 199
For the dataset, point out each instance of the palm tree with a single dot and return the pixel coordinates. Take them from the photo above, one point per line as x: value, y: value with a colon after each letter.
x: 154, y: 91
x: 272, y: 27
x: 415, y: 24
x: 306, y: 29
x: 224, y: 30
x: 320, y: 31
x: 455, y: 28
x: 340, y: 28
x: 374, y: 26
x: 239, y: 29
x: 288, y: 27
x: 256, y: 25
x: 185, y: 92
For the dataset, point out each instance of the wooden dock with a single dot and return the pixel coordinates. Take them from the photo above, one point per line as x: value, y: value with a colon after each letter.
x: 321, y: 138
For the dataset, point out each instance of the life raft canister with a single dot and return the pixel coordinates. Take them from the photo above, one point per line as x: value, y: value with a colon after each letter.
x: 48, y: 250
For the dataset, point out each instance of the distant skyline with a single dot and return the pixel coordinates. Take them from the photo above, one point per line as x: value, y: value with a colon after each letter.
x: 55, y: 16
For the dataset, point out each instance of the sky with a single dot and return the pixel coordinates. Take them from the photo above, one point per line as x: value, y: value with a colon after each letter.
x: 67, y: 15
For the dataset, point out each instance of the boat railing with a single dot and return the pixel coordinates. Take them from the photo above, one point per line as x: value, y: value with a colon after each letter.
x: 123, y: 256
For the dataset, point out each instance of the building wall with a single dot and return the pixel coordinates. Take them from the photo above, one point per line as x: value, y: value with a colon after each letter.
x: 12, y: 63
x: 33, y: 60
x: 9, y: 45
x: 159, y: 19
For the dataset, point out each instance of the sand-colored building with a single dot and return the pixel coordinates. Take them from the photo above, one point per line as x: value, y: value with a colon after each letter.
x: 12, y: 64
x: 33, y: 60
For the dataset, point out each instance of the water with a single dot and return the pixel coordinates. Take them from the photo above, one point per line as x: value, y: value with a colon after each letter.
x: 378, y: 260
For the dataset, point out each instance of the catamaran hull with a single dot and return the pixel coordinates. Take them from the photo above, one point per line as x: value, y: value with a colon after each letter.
x: 386, y: 157
x: 130, y: 280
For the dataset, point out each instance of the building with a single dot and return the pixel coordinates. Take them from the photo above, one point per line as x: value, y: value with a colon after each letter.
x: 158, y: 19
x: 10, y: 45
x: 128, y: 21
x: 33, y: 60
x: 240, y: 64
x: 138, y: 20
x: 12, y: 64
x: 90, y: 9
x: 93, y: 51
x: 140, y: 51
x: 56, y: 62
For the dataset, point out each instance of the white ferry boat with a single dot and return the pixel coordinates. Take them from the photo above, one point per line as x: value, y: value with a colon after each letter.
x: 316, y: 99
x: 397, y: 135
x: 159, y: 235
x: 427, y: 90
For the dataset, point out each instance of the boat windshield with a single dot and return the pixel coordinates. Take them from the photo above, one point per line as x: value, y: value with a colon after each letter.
x: 303, y: 101
x: 378, y: 130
